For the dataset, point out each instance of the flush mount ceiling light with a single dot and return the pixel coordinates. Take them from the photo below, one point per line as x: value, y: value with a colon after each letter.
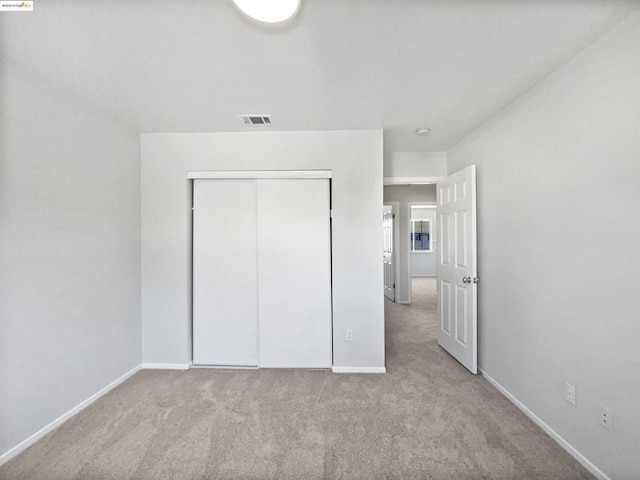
x: 423, y: 132
x: 269, y: 11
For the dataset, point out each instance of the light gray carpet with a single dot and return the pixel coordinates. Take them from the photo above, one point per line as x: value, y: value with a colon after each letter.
x: 427, y: 418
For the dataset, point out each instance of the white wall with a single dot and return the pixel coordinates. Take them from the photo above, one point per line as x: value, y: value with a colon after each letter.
x: 559, y: 300
x: 405, y: 195
x: 416, y: 164
x: 423, y: 264
x: 70, y: 255
x: 356, y: 160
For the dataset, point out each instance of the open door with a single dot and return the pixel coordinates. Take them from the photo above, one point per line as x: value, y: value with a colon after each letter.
x: 457, y: 267
x: 387, y: 254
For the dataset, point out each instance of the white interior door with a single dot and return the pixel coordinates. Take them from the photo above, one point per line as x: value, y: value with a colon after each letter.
x: 294, y: 273
x: 387, y: 254
x: 225, y: 276
x: 457, y: 267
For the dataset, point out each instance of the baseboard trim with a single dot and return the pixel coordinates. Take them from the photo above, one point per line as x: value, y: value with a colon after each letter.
x: 548, y: 430
x: 22, y: 446
x: 166, y: 366
x: 359, y: 370
x: 224, y: 367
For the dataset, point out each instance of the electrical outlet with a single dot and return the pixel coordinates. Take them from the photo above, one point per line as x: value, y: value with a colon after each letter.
x: 349, y: 336
x: 570, y: 393
x: 606, y: 420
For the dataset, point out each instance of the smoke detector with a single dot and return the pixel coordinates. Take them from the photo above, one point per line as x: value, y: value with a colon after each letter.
x: 256, y: 119
x: 423, y: 132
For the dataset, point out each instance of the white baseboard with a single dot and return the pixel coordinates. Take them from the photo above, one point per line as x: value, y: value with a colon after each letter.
x: 538, y: 421
x: 5, y: 457
x: 22, y: 446
x: 166, y: 366
x: 359, y: 369
x: 224, y: 367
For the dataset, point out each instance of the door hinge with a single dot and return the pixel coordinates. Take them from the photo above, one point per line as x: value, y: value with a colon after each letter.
x: 393, y: 215
x: 394, y: 285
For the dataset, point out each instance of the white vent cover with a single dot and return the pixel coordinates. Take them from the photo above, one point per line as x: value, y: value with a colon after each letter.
x: 256, y: 119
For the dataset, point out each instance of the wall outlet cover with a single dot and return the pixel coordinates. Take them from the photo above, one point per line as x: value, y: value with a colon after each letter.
x: 606, y: 419
x: 570, y: 393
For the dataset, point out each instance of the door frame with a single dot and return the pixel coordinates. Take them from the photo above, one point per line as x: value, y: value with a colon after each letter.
x: 406, y: 181
x: 257, y: 174
x: 395, y: 211
x: 191, y: 176
x: 434, y: 241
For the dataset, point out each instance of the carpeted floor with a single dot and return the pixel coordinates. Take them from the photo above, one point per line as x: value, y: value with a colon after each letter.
x: 427, y: 418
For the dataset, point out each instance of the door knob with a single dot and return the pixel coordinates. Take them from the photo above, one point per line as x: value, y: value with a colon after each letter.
x: 466, y: 279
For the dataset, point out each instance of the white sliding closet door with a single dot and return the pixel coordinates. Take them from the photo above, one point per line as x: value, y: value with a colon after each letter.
x: 294, y: 273
x: 225, y: 276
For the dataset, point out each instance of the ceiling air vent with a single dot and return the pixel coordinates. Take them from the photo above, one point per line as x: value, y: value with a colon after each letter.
x: 256, y: 119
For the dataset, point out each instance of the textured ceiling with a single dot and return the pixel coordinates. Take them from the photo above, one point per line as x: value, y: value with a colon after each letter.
x: 193, y: 66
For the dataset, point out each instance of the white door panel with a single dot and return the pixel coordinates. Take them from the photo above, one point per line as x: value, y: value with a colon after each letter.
x: 294, y: 273
x: 388, y: 250
x: 457, y: 267
x: 225, y: 310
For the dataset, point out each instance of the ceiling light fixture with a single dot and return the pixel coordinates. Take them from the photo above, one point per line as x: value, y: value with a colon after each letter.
x: 423, y: 132
x: 269, y: 11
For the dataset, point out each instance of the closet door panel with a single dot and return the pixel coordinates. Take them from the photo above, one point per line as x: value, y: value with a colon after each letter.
x: 294, y: 273
x: 225, y: 310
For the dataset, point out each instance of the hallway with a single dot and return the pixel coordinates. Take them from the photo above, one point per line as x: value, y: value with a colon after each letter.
x: 471, y: 423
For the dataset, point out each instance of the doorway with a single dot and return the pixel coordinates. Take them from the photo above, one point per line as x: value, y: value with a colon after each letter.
x: 423, y: 239
x: 415, y: 248
x: 455, y: 276
x: 389, y: 249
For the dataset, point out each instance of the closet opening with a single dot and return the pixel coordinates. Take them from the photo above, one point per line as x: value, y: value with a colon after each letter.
x: 261, y: 269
